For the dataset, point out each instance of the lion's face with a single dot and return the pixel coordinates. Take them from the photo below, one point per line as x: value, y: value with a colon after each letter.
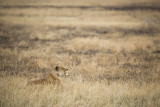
x: 61, y: 71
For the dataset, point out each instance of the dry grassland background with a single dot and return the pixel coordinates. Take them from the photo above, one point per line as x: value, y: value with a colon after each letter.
x: 112, y: 49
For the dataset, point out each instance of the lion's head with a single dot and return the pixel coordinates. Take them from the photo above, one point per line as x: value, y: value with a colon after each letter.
x: 61, y: 71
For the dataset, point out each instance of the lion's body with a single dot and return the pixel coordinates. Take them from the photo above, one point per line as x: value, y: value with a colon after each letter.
x: 52, y: 78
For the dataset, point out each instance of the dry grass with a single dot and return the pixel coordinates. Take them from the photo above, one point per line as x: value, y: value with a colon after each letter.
x: 83, y: 94
x: 111, y: 48
x: 114, y: 45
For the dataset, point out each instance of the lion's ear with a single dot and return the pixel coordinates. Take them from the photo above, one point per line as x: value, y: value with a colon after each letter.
x: 56, y: 67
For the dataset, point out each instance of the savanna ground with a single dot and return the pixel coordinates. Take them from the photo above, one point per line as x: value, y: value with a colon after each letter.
x: 112, y: 49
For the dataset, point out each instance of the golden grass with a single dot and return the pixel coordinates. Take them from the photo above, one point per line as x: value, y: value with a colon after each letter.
x: 84, y: 94
x: 112, y: 54
x: 115, y: 45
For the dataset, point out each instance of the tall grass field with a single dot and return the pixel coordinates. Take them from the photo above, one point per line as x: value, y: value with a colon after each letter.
x: 111, y: 48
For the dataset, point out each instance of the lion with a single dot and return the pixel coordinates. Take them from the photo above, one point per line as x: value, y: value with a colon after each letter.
x: 52, y: 78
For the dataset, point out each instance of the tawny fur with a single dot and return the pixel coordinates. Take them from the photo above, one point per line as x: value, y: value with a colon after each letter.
x: 52, y: 78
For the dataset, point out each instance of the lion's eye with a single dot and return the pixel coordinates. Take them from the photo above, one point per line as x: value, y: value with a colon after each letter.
x: 66, y: 73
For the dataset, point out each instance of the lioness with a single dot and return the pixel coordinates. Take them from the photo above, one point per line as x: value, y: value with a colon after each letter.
x: 52, y: 78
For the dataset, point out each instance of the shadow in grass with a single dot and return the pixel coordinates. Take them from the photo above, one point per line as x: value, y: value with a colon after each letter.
x: 157, y: 51
x: 120, y: 8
